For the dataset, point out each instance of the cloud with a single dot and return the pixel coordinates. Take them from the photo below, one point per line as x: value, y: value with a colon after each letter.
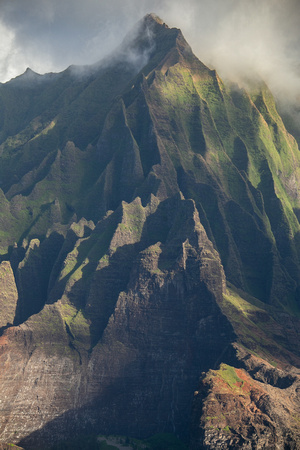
x: 237, y: 37
x: 6, y: 52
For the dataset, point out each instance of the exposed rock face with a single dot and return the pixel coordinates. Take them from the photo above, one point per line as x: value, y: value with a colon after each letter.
x: 154, y: 342
x: 155, y: 215
x: 8, y: 295
x: 238, y: 411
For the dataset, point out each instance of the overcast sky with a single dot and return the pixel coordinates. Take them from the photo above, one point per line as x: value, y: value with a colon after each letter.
x: 234, y: 36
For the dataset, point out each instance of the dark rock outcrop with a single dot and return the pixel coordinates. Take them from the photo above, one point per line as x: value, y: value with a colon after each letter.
x: 147, y: 347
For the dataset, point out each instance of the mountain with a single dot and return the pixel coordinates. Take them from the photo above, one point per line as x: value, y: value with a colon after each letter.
x: 150, y: 242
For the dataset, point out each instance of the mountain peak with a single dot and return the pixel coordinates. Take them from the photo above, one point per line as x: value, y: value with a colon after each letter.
x: 152, y: 17
x: 151, y: 23
x: 145, y: 39
x: 29, y: 74
x: 28, y: 77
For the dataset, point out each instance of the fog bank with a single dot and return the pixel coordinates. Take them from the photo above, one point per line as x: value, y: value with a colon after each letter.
x: 237, y: 37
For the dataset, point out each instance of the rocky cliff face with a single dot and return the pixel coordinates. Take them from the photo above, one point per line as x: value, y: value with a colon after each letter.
x: 8, y: 295
x: 149, y: 235
x: 238, y: 411
x: 127, y: 358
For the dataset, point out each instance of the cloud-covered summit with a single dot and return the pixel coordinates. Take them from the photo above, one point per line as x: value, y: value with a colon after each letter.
x: 237, y: 37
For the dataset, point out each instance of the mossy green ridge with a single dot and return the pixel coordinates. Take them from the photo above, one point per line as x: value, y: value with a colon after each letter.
x: 227, y: 150
x: 176, y: 127
x: 264, y: 330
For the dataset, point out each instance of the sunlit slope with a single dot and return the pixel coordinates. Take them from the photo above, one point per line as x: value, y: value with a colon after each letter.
x: 225, y: 148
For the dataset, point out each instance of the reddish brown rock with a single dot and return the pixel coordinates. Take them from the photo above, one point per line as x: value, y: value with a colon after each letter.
x: 233, y: 410
x: 8, y: 295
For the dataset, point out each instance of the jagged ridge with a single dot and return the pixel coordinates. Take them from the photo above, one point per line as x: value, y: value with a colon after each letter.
x: 176, y: 176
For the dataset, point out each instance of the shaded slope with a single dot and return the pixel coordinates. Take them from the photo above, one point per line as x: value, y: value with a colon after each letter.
x: 141, y: 313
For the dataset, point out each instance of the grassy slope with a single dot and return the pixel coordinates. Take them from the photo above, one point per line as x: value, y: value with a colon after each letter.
x: 251, y: 165
x: 264, y: 330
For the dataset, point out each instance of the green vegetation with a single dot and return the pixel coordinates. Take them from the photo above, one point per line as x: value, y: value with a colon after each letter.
x: 218, y: 144
x: 258, y: 326
x: 229, y: 375
x: 174, y: 127
x: 225, y: 148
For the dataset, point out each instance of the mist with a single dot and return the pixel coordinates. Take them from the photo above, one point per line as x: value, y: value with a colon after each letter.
x: 240, y: 38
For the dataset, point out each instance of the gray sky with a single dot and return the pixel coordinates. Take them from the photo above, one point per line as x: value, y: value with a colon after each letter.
x: 237, y: 37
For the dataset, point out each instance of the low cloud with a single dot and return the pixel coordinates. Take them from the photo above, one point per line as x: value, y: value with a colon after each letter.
x: 237, y: 37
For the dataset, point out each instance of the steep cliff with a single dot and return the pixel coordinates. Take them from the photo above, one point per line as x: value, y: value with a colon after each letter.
x: 149, y: 234
x: 238, y: 411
